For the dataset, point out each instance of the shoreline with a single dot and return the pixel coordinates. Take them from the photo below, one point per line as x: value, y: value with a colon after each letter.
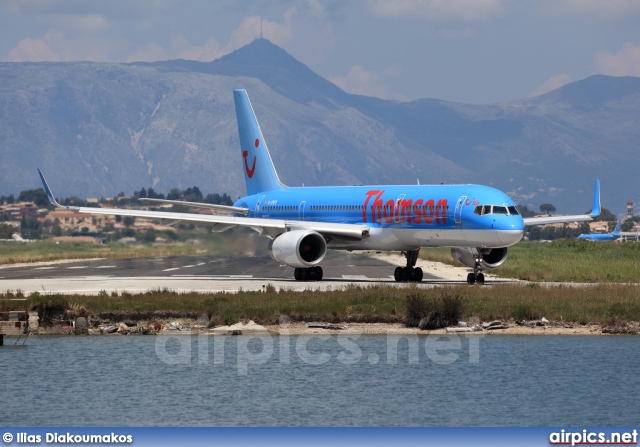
x: 189, y: 327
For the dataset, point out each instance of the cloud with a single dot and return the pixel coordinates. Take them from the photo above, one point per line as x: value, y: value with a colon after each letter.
x: 209, y: 51
x: 297, y: 20
x: 596, y: 9
x: 33, y: 50
x: 55, y: 46
x: 552, y: 83
x: 435, y: 10
x: 625, y: 62
x: 150, y: 53
x: 80, y: 30
x: 359, y: 81
x: 85, y: 23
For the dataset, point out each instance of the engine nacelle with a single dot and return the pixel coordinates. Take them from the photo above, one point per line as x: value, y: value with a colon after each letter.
x: 298, y: 248
x: 488, y: 258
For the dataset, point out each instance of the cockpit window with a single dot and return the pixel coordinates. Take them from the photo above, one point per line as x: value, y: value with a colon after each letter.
x: 481, y: 210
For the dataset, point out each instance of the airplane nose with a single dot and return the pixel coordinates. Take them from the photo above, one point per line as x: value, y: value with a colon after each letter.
x: 510, y: 230
x: 509, y: 237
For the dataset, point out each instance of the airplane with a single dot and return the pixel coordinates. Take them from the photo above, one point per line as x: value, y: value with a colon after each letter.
x: 477, y: 222
x: 614, y: 235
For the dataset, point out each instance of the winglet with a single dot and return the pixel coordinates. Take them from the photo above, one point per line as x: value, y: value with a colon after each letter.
x: 595, y: 210
x: 48, y: 191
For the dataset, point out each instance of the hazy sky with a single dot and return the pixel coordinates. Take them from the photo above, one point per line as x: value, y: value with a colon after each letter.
x: 471, y: 51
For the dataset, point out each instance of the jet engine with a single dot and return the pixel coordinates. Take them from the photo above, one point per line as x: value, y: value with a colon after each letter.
x: 487, y: 258
x: 298, y: 248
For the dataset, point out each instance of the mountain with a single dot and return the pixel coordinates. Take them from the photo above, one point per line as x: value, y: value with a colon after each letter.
x: 97, y: 129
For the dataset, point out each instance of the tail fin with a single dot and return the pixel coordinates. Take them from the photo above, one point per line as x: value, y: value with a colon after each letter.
x: 259, y: 173
x: 617, y: 228
x: 596, y: 208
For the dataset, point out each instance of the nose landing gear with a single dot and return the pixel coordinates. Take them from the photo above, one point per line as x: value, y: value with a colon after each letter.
x: 477, y: 276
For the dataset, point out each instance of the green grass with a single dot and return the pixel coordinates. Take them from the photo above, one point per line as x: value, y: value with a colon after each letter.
x: 614, y: 268
x: 597, y: 304
x: 573, y: 261
x: 231, y: 243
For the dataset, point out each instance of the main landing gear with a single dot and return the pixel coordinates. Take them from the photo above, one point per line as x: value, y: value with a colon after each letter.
x: 409, y: 273
x: 308, y: 274
x: 476, y: 276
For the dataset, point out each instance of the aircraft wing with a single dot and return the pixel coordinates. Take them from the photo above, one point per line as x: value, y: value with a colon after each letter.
x: 270, y: 227
x: 221, y: 209
x: 595, y: 211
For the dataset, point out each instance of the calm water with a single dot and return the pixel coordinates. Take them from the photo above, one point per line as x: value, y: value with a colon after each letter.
x: 331, y: 381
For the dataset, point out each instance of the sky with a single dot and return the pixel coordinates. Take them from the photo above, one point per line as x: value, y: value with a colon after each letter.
x: 468, y: 51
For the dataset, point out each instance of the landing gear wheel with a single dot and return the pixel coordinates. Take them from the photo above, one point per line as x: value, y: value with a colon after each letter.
x: 409, y: 273
x: 480, y: 278
x: 308, y: 274
x: 471, y: 279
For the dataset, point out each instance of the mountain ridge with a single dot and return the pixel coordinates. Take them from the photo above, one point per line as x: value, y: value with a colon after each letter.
x: 97, y: 129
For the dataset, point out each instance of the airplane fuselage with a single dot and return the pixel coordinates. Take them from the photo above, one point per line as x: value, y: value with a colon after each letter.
x: 400, y: 217
x: 600, y: 237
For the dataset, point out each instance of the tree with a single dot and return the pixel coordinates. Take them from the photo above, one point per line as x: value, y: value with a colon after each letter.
x: 128, y: 221
x: 6, y: 231
x: 174, y: 194
x: 192, y: 194
x: 524, y: 210
x: 37, y: 196
x: 605, y: 215
x: 627, y: 225
x: 7, y: 199
x: 547, y: 208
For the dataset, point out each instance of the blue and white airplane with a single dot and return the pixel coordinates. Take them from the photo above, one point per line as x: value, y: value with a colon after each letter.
x: 596, y: 237
x: 477, y: 222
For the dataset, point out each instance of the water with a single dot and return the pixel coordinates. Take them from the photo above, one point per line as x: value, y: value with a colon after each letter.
x: 273, y: 381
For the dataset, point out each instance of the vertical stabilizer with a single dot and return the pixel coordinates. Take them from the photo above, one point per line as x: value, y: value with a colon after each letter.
x: 618, y: 226
x: 259, y: 172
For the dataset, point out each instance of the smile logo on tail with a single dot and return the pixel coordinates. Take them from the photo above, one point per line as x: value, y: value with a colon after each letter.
x: 245, y: 154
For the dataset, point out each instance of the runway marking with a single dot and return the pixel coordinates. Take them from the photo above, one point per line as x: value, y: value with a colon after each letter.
x: 78, y: 267
x: 169, y: 270
x: 202, y: 263
x: 355, y: 277
x: 43, y: 268
x: 106, y: 267
x: 188, y: 266
x: 213, y: 276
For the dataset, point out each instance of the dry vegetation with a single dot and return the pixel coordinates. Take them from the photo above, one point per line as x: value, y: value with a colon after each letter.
x: 597, y: 304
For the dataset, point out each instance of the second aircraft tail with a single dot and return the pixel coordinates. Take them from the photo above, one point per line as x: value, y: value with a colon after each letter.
x: 259, y: 173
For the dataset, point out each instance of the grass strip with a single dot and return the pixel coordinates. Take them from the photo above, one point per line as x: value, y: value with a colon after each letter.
x: 597, y: 304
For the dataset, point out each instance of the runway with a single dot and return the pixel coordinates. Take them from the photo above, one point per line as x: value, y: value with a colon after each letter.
x: 203, y: 274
